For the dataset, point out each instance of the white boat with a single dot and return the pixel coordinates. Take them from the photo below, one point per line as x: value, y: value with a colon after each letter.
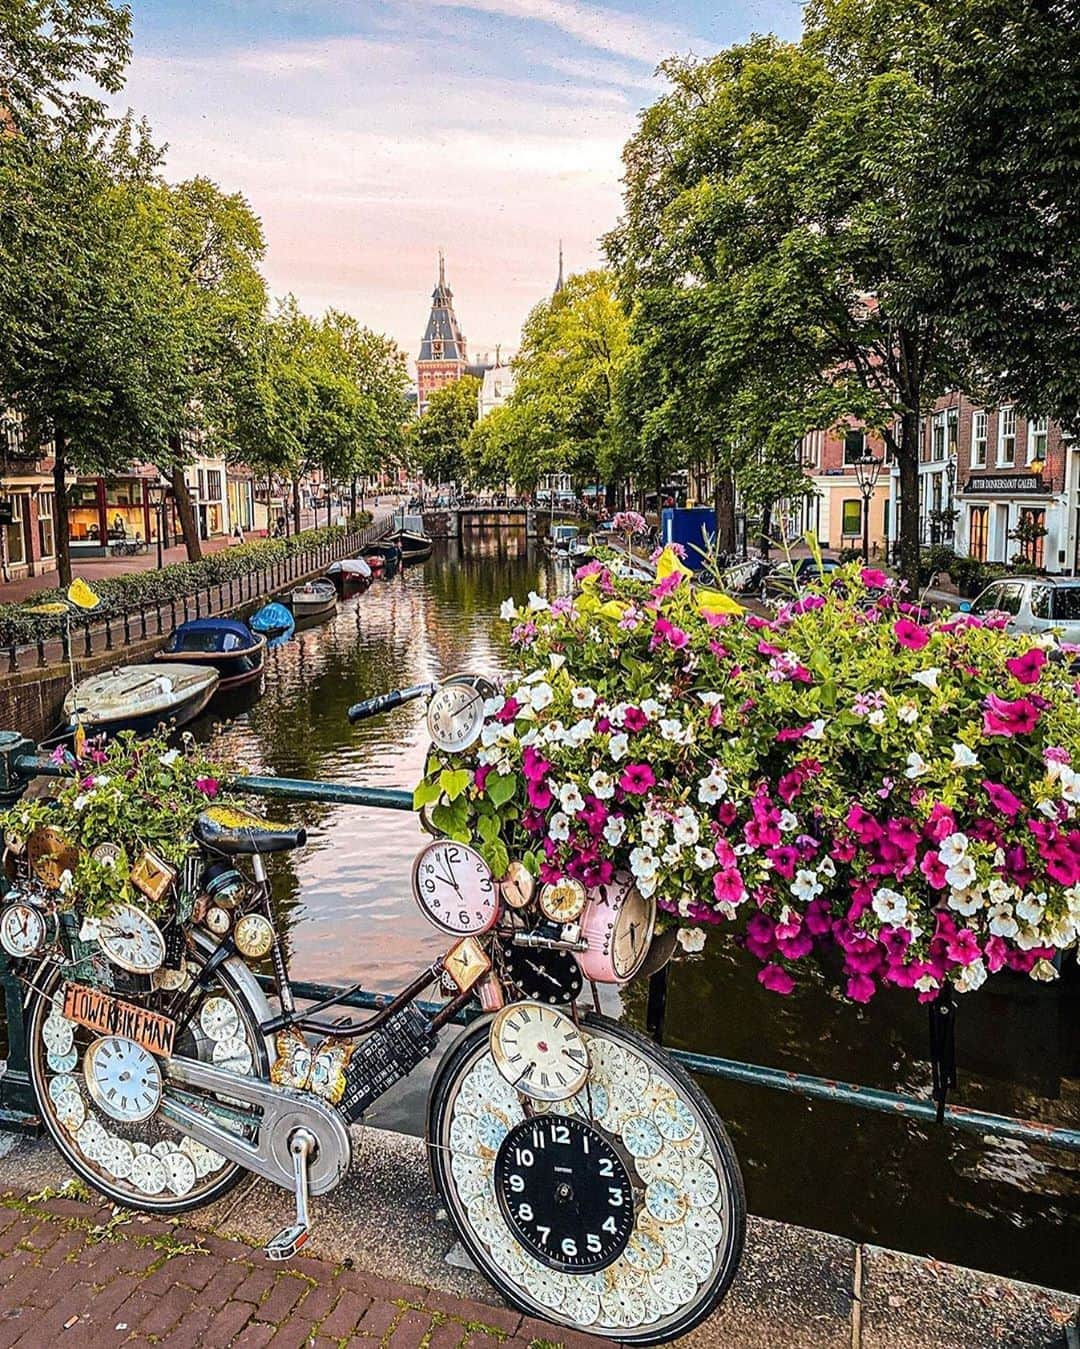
x: 140, y: 697
x: 316, y: 597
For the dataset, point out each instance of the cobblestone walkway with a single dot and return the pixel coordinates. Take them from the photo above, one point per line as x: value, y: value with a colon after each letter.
x: 73, y: 1274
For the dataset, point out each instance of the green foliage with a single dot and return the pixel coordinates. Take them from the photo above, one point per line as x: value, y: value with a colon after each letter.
x: 440, y: 436
x: 135, y: 793
x: 51, y: 51
x: 136, y: 590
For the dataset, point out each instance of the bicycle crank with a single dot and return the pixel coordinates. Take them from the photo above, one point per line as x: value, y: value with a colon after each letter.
x: 326, y: 1150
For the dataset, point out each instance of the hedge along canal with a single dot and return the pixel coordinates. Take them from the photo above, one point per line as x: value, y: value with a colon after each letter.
x: 1006, y: 1207
x: 139, y: 611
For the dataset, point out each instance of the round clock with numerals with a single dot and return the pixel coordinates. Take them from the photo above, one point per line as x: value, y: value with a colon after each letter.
x: 617, y: 926
x: 565, y: 1193
x: 131, y: 939
x: 122, y: 1078
x: 539, y: 1050
x: 455, y: 714
x: 455, y: 888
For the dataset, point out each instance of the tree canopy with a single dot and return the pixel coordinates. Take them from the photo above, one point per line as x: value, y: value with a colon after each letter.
x: 441, y: 433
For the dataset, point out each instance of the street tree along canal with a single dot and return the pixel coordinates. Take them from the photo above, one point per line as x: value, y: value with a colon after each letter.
x: 995, y: 1204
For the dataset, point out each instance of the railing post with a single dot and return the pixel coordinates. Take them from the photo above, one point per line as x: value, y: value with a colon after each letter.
x: 656, y: 1006
x: 41, y: 653
x: 13, y: 658
x: 127, y: 629
x: 18, y: 1108
x: 108, y: 634
x: 87, y: 644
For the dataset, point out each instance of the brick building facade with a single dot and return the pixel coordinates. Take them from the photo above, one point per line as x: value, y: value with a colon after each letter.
x: 834, y: 511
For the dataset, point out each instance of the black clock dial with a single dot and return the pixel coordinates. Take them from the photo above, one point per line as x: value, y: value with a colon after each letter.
x: 544, y: 976
x: 565, y: 1193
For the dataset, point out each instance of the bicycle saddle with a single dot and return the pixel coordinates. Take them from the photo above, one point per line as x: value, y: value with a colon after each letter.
x: 224, y: 829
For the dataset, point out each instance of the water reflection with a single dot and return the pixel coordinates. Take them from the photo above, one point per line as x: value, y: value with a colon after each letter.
x: 1004, y: 1206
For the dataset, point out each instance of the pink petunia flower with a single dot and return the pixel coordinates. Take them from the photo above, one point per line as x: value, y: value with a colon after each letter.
x: 208, y: 786
x: 873, y: 579
x: 634, y: 719
x: 1002, y: 799
x: 1027, y: 668
x: 910, y: 635
x: 637, y: 778
x: 860, y: 988
x: 1004, y: 717
x: 776, y: 979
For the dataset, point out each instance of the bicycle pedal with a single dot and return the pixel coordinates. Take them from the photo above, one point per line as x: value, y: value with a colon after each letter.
x: 287, y: 1242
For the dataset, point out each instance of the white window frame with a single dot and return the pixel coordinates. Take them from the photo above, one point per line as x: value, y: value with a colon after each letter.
x: 1038, y: 430
x: 980, y: 424
x: 937, y: 438
x: 46, y: 510
x: 17, y: 500
x: 1006, y: 418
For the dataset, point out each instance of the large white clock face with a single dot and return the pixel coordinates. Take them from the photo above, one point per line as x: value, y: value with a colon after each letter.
x: 539, y: 1050
x: 455, y: 888
x: 123, y: 1079
x: 22, y: 931
x: 455, y: 717
x: 131, y: 939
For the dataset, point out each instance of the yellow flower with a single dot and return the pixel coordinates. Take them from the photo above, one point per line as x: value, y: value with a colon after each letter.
x: 667, y: 563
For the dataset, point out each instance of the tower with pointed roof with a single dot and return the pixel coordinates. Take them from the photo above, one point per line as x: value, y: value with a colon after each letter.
x: 443, y: 355
x: 559, y: 283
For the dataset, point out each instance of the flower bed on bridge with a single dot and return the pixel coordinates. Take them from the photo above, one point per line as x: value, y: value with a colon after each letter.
x: 846, y: 774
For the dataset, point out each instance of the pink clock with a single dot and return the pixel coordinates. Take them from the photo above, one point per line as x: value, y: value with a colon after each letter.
x: 617, y: 924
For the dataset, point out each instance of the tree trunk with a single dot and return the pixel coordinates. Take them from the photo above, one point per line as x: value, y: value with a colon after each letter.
x: 60, y: 509
x: 296, y: 505
x: 189, y: 526
x: 352, y: 503
x: 724, y: 511
x: 908, y: 460
x: 765, y: 535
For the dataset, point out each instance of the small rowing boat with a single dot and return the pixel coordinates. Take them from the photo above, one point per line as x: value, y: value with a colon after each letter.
x: 313, y: 599
x: 222, y: 644
x: 137, y: 698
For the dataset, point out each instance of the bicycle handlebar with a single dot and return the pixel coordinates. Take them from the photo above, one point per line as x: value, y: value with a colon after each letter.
x: 386, y: 702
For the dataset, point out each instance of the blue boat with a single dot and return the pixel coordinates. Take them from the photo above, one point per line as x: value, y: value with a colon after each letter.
x: 222, y: 644
x: 274, y: 622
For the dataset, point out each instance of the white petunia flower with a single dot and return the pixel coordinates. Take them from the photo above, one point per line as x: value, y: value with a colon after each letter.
x: 81, y: 801
x: 712, y: 788
x: 926, y: 983
x: 1001, y: 921
x: 685, y: 826
x: 652, y: 830
x: 806, y: 885
x: 817, y: 729
x: 916, y: 765
x: 827, y: 867
x: 890, y: 906
x: 614, y: 830
x: 541, y: 696
x: 961, y: 874
x: 570, y: 798
x: 643, y: 864
x: 952, y: 849
x: 169, y: 757
x: 672, y: 855
x: 618, y: 746
x: 559, y: 827
x: 508, y: 611
x: 652, y: 708
x: 788, y: 821
x: 1043, y: 971
x: 582, y: 697
x: 966, y: 902
x: 1031, y: 908
x: 580, y: 732
x: 970, y: 977
x: 537, y: 603
x: 908, y: 712
x: 602, y: 785
x: 928, y: 678
x: 691, y: 939
x: 67, y: 880
x: 704, y: 858
x: 962, y: 757
x: 877, y: 718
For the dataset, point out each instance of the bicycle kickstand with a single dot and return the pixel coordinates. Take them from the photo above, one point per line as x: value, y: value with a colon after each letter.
x: 288, y: 1241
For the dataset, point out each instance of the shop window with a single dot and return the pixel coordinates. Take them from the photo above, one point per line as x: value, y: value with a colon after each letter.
x: 46, y: 532
x: 977, y: 531
x: 14, y: 534
x: 851, y: 518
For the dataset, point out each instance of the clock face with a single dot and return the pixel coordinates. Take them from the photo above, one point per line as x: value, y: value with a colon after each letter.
x: 219, y: 1018
x: 131, y: 939
x: 455, y: 888
x: 218, y: 920
x: 539, y: 1050
x: 565, y: 1193
x: 633, y: 933
x: 466, y: 962
x: 253, y: 936
x: 22, y: 931
x: 545, y: 976
x: 562, y: 901
x: 518, y: 886
x: 123, y: 1079
x: 455, y: 716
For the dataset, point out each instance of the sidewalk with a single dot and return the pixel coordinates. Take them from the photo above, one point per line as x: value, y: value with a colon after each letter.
x: 78, y: 1275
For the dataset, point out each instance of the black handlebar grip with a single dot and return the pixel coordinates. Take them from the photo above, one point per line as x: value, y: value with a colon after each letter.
x: 386, y: 702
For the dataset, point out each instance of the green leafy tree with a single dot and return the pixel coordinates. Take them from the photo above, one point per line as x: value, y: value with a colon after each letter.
x: 441, y: 434
x: 53, y: 51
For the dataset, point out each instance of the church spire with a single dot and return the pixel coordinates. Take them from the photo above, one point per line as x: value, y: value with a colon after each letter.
x: 442, y: 270
x: 559, y: 283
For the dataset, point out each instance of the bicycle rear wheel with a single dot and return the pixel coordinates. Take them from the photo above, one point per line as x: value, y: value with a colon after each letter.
x: 653, y: 1277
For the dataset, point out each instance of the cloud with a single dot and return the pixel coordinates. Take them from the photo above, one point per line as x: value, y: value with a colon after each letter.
x: 594, y: 25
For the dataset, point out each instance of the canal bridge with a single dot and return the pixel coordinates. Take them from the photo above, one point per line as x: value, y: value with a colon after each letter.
x: 456, y: 522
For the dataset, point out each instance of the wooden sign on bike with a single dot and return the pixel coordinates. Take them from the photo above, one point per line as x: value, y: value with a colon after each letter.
x: 109, y: 1016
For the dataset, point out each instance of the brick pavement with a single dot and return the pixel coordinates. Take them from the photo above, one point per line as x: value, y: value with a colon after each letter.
x: 76, y: 1274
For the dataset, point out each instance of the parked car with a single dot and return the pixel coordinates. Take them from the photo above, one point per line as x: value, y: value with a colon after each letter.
x: 787, y: 578
x: 1034, y: 604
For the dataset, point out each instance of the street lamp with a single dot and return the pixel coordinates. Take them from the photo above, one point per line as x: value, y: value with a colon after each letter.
x: 867, y: 469
x: 950, y: 479
x: 156, y: 494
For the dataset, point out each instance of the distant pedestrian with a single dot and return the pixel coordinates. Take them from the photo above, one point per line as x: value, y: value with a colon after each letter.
x: 238, y: 532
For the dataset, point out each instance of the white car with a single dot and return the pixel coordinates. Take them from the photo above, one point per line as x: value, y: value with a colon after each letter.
x: 1034, y: 604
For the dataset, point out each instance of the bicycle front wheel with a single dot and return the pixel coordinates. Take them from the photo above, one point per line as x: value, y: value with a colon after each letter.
x: 619, y: 1212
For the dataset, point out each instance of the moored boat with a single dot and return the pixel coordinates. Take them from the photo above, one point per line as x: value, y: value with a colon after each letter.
x: 313, y: 599
x: 383, y: 558
x: 349, y: 575
x: 222, y: 644
x: 408, y: 535
x: 137, y: 698
x: 274, y: 622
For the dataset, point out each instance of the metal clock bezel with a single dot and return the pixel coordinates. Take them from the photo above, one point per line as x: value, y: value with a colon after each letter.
x: 444, y: 841
x: 93, y: 1087
x: 132, y: 967
x: 38, y: 917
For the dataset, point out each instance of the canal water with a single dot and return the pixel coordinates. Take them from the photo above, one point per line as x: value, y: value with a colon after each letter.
x: 1012, y: 1208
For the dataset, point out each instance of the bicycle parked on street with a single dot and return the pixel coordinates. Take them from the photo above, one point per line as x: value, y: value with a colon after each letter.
x: 583, y: 1171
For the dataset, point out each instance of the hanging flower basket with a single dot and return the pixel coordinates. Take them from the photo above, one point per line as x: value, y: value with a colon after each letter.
x: 848, y: 774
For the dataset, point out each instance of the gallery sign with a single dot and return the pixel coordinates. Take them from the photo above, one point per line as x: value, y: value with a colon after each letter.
x: 1014, y: 484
